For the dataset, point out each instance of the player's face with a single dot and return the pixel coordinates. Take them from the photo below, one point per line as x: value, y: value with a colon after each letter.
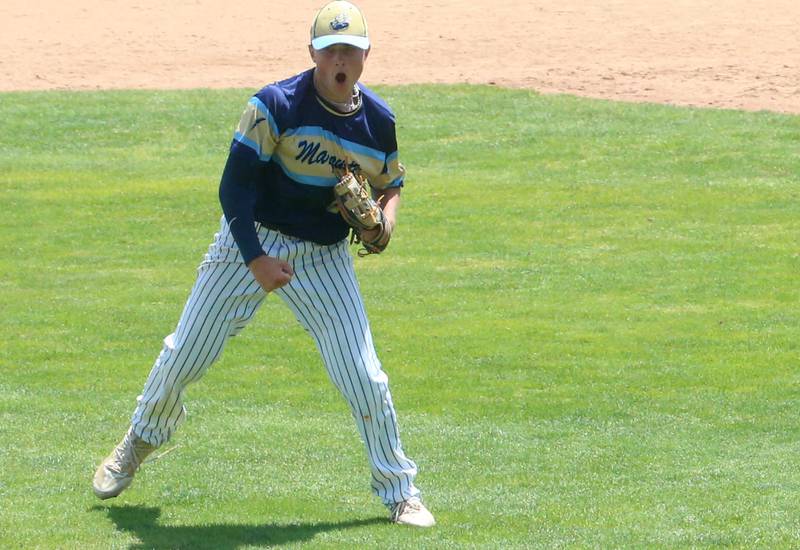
x: 338, y: 68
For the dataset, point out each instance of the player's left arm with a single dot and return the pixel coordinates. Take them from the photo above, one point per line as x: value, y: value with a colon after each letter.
x: 389, y: 201
x: 386, y: 187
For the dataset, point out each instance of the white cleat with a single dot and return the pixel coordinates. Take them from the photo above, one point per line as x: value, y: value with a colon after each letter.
x: 412, y: 512
x: 116, y: 472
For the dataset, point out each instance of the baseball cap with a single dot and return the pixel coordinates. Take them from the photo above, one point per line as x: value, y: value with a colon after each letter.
x: 339, y: 22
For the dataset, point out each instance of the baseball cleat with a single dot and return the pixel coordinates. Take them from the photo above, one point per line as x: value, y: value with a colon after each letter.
x: 116, y: 472
x: 412, y: 512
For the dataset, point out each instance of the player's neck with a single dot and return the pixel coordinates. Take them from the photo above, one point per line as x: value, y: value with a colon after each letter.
x: 352, y: 104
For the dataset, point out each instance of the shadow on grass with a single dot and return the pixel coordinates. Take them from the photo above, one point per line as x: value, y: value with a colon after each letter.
x: 141, y: 521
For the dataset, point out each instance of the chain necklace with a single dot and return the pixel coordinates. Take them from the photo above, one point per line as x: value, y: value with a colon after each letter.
x: 347, y: 106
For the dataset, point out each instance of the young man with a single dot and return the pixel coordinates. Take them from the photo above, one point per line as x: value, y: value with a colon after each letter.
x: 281, y: 234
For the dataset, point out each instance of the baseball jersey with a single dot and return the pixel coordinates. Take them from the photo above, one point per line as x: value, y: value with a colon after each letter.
x: 284, y: 154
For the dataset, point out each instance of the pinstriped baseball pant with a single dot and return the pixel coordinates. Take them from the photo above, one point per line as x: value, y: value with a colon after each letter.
x: 325, y: 298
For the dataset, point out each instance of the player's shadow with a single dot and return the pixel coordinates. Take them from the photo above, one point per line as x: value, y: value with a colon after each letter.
x: 142, y: 522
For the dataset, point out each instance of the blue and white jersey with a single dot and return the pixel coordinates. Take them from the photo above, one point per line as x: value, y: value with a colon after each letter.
x: 297, y: 141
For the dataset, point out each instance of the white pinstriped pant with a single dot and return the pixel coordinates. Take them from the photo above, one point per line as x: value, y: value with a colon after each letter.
x: 325, y: 298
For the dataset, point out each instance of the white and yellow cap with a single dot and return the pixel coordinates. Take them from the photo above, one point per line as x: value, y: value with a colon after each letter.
x: 339, y: 22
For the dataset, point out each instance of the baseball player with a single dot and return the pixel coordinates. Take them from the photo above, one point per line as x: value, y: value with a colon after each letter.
x: 281, y: 233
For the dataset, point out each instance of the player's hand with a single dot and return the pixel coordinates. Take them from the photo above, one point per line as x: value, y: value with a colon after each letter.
x: 377, y: 239
x: 271, y: 273
x: 370, y: 234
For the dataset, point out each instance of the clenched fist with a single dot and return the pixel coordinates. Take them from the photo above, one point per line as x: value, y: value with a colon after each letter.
x: 271, y: 273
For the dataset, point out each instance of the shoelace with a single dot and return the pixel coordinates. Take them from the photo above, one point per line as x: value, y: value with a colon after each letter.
x: 125, y: 455
x: 401, y: 508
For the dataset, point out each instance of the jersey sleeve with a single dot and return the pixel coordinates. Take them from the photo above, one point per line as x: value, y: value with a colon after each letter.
x: 257, y: 133
x: 237, y: 195
x: 393, y: 173
x: 253, y: 142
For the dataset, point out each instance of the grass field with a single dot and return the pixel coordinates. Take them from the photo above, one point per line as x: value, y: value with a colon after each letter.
x: 589, y: 316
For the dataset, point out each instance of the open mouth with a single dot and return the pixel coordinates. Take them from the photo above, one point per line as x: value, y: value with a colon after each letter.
x: 340, y: 78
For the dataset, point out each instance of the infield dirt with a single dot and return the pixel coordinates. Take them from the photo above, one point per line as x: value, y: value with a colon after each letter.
x: 725, y: 53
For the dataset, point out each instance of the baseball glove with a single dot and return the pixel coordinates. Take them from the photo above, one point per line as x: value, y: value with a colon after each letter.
x: 362, y: 213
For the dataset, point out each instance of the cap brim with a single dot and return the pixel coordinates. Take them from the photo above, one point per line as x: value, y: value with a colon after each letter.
x: 329, y: 40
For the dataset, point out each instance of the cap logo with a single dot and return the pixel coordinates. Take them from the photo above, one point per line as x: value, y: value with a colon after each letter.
x: 340, y: 22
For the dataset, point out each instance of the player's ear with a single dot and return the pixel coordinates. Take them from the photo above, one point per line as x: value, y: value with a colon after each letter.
x: 366, y: 53
x: 311, y: 52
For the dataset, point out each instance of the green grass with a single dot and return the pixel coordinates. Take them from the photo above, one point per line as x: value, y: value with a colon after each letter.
x: 589, y: 315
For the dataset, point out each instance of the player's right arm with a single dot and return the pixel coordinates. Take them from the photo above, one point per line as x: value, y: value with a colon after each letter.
x: 253, y: 143
x: 237, y: 195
